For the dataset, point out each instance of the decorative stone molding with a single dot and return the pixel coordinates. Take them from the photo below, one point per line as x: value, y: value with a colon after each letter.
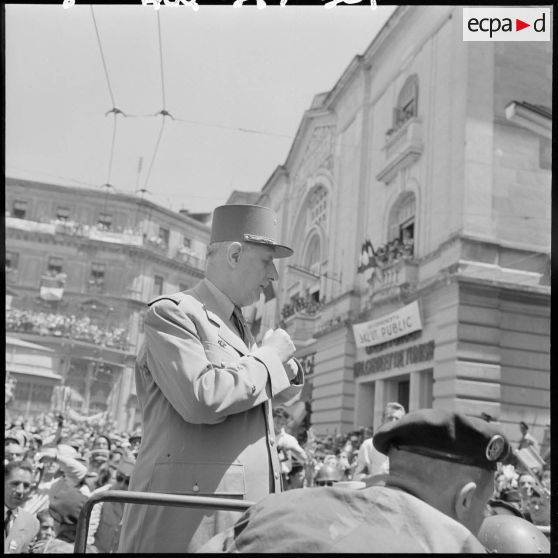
x: 318, y: 153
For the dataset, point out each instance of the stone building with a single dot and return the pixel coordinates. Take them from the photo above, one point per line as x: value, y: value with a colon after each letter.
x: 416, y: 195
x: 80, y: 266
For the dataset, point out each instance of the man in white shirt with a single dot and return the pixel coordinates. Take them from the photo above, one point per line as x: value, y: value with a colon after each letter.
x: 370, y: 461
x: 20, y: 527
x: 287, y: 445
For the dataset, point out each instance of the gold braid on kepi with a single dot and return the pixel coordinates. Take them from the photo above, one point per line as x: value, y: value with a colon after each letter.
x: 248, y: 223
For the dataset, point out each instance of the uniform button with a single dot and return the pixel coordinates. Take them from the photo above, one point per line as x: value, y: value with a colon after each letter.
x: 253, y: 389
x: 276, y: 475
x: 223, y: 365
x: 272, y: 441
x: 196, y: 488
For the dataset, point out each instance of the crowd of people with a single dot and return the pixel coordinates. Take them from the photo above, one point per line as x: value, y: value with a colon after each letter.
x: 428, y: 480
x: 74, y: 228
x: 352, y: 460
x: 393, y: 251
x: 52, y: 465
x: 60, y: 461
x: 70, y: 326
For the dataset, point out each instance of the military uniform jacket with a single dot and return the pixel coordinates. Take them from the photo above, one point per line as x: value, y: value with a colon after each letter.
x: 23, y: 530
x: 343, y: 520
x: 207, y: 423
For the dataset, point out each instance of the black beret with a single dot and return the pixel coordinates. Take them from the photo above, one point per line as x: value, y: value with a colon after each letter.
x: 445, y: 435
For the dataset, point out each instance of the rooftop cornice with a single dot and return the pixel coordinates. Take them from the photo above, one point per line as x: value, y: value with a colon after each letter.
x: 535, y: 118
x: 120, y: 196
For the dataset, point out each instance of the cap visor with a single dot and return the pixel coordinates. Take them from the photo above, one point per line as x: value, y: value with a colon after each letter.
x: 282, y: 251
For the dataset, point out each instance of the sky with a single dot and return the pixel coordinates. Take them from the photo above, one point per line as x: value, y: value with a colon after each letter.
x: 236, y: 81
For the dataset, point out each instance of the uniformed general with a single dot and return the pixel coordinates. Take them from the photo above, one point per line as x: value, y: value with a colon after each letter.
x: 441, y: 476
x: 205, y: 390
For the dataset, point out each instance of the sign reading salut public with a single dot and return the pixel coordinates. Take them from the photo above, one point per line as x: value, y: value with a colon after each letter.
x: 394, y: 325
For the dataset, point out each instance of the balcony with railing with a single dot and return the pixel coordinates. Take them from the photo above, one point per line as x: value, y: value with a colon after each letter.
x: 189, y: 257
x: 394, y: 268
x: 70, y: 326
x: 299, y: 317
x: 101, y: 233
x: 71, y: 228
x: 403, y: 146
x: 95, y: 285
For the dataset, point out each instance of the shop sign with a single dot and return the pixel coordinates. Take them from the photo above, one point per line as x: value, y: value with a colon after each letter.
x: 307, y: 363
x: 394, y: 325
x: 396, y: 359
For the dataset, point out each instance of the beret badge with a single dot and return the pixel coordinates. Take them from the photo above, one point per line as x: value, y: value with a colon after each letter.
x: 495, y: 448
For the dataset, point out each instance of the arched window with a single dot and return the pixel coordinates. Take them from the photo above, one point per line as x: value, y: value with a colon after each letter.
x: 317, y: 207
x: 313, y: 258
x: 407, y: 102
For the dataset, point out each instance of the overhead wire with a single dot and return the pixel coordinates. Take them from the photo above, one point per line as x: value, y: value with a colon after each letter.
x: 102, y: 56
x: 164, y: 112
x: 111, y: 156
x: 161, y: 61
x: 114, y: 110
x: 155, y: 151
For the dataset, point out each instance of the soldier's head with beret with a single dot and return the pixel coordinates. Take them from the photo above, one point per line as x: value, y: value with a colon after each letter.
x: 446, y: 459
x: 244, y: 242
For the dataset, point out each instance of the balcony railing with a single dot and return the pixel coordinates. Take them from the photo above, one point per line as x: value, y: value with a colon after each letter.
x: 71, y: 228
x: 101, y: 234
x: 299, y: 317
x: 190, y: 257
x: 301, y: 305
x: 67, y: 326
x: 390, y: 277
x: 96, y: 286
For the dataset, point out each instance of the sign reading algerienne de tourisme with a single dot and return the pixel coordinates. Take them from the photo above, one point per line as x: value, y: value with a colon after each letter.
x: 394, y: 325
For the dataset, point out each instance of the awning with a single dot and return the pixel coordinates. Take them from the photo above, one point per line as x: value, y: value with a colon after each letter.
x: 27, y: 370
x: 21, y: 343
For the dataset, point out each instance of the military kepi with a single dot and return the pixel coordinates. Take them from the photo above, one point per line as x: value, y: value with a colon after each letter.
x: 445, y: 435
x: 248, y: 223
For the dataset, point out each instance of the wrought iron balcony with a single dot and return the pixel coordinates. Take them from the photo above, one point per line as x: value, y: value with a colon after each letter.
x: 190, y: 257
x: 300, y: 305
x: 389, y: 278
x: 96, y: 286
x: 71, y: 228
x: 299, y: 318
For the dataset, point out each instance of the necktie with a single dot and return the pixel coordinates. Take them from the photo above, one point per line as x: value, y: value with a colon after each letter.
x: 7, y: 521
x: 240, y: 324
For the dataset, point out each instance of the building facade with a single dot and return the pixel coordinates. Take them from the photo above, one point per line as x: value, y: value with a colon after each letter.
x: 416, y: 195
x: 31, y: 368
x: 80, y: 266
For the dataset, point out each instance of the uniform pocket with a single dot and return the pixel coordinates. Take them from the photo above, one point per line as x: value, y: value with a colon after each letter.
x: 220, y: 354
x: 202, y: 478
